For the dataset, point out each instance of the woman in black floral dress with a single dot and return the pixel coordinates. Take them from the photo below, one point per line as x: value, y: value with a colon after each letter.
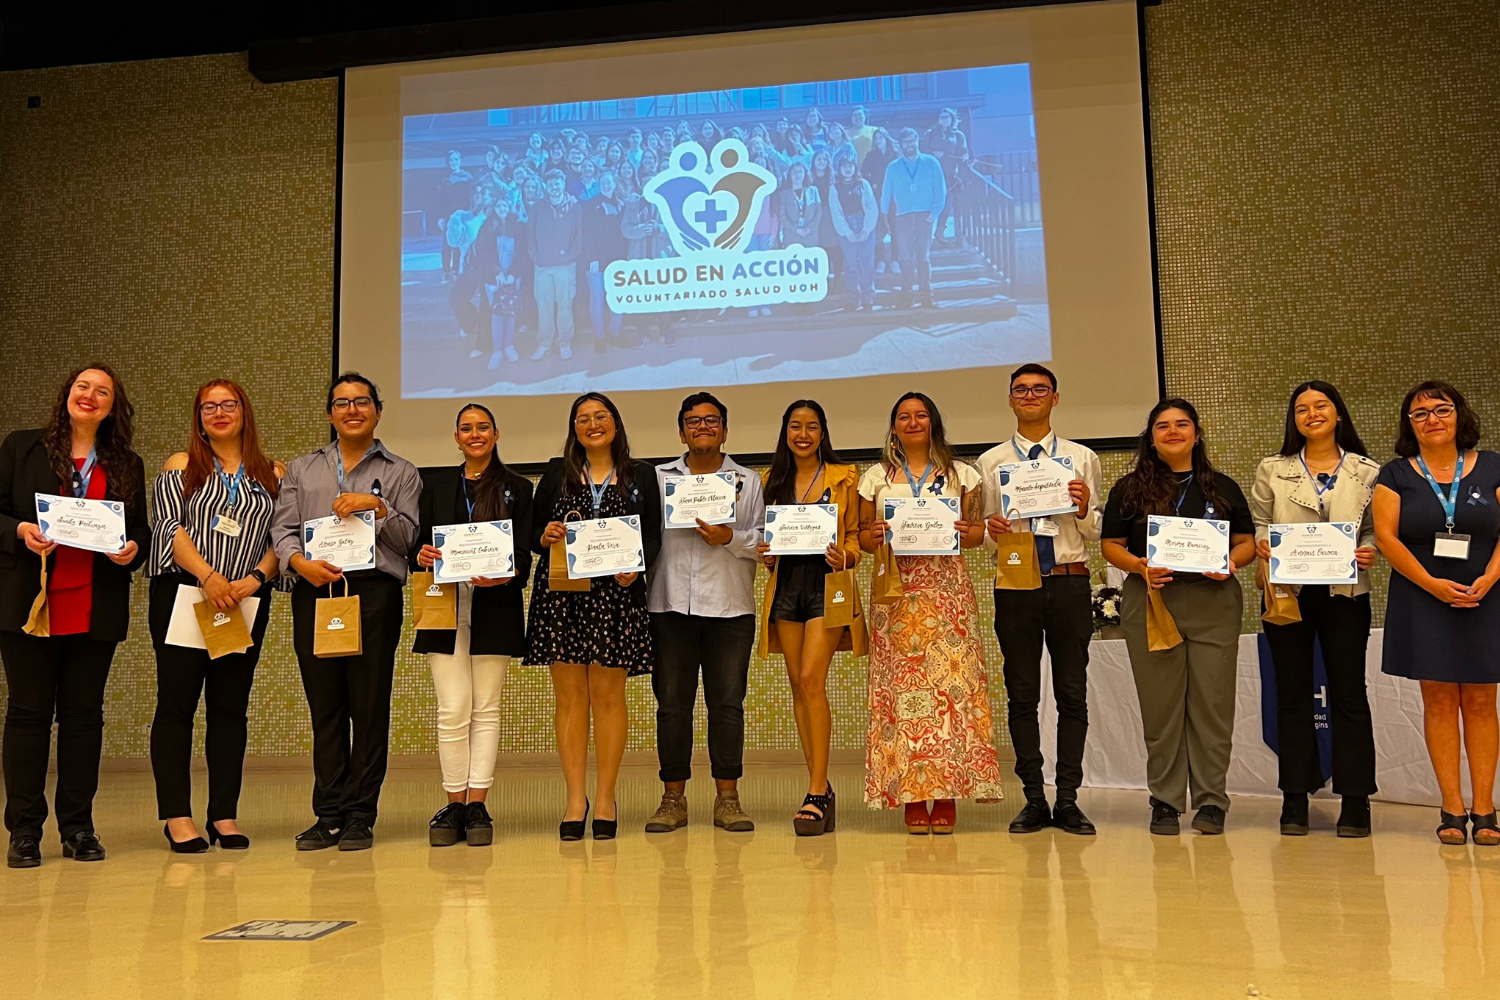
x: 594, y: 639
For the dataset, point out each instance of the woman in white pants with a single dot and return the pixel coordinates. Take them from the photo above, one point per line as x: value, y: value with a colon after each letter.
x: 469, y: 663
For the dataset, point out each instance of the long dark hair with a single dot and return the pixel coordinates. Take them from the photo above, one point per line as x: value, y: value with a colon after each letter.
x: 1152, y: 487
x: 1466, y: 434
x: 489, y: 488
x: 200, y: 463
x: 938, y: 449
x: 1344, y: 435
x: 781, y: 484
x: 112, y: 442
x: 573, y: 451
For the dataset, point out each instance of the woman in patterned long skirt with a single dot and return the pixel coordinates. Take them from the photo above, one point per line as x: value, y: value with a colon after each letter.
x: 930, y: 738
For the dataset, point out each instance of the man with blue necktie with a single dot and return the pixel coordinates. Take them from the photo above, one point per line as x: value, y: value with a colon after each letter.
x: 1060, y: 613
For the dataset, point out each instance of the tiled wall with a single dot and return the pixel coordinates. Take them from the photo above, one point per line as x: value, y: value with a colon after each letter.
x: 1325, y: 182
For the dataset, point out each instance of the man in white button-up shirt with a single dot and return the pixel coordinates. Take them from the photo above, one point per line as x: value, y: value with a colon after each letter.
x: 702, y: 608
x: 1060, y: 614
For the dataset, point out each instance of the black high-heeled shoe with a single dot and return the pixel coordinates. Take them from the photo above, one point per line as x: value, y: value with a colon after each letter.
x: 605, y: 829
x: 228, y: 841
x: 195, y: 846
x: 1487, y: 825
x: 572, y: 829
x: 1451, y: 823
x: 807, y: 824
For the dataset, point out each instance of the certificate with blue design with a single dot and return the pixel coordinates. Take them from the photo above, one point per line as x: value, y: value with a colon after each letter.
x: 345, y: 542
x: 478, y: 548
x: 1316, y: 553
x: 1037, y: 488
x: 708, y: 498
x: 922, y: 526
x: 801, y: 529
x: 604, y: 547
x: 92, y: 525
x: 1187, y: 544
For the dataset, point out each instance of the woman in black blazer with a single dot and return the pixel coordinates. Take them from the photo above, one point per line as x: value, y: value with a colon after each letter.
x: 84, y: 451
x: 469, y: 663
x: 592, y: 640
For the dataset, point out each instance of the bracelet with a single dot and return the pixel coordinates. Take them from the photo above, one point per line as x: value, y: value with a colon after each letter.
x: 261, y: 577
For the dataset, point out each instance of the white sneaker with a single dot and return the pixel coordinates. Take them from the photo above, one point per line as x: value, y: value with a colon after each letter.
x: 495, y: 360
x: 475, y: 354
x: 538, y: 354
x: 565, y: 352
x: 511, y: 354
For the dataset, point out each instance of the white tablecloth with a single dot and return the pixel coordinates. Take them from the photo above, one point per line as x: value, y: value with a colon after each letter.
x: 1115, y: 755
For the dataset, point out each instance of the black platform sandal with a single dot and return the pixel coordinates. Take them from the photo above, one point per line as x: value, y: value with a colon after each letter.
x: 814, y: 824
x: 1452, y: 824
x: 1488, y: 827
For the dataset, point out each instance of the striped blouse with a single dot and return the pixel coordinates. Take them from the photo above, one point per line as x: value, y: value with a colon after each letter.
x: 234, y: 558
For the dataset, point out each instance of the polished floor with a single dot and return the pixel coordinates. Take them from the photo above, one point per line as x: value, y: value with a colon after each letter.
x: 866, y: 912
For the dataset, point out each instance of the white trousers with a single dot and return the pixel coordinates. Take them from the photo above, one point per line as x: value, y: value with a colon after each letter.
x: 468, y: 713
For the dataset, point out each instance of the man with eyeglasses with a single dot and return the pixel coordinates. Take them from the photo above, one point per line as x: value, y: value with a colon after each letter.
x: 702, y: 607
x: 1059, y: 614
x: 352, y: 473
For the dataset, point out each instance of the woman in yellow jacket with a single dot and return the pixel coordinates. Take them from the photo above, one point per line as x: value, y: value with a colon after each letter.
x: 805, y: 470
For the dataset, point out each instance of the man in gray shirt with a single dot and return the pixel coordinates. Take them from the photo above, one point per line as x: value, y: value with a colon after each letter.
x: 353, y: 473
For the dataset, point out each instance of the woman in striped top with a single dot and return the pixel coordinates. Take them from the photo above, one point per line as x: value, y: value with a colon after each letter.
x: 211, y: 522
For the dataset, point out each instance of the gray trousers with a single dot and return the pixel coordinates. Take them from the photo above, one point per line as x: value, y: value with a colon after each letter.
x: 1187, y: 693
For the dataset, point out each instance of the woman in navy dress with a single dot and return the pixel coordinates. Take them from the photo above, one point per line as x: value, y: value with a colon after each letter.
x: 1437, y: 517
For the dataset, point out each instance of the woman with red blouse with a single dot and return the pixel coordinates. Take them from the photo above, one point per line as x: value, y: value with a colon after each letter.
x: 84, y: 451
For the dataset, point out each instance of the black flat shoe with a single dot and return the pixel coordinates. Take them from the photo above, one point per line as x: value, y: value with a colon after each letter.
x: 357, y: 836
x: 1451, y: 824
x: 319, y: 837
x: 446, y: 828
x: 228, y: 841
x: 808, y: 823
x: 1209, y: 820
x: 605, y: 829
x: 479, y: 829
x: 1068, y: 818
x: 24, y: 852
x: 1294, y: 814
x: 1164, y: 819
x: 83, y: 846
x: 1354, y: 816
x: 1034, y: 817
x: 195, y: 846
x: 572, y: 829
x: 1486, y: 827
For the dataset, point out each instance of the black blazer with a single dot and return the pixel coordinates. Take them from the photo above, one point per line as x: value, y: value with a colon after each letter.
x: 642, y: 497
x: 24, y: 472
x: 497, y: 621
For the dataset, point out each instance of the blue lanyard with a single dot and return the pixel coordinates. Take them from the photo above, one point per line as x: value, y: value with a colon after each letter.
x: 1449, y: 502
x: 1026, y: 456
x: 467, y: 502
x: 338, y: 453
x: 82, y: 480
x: 231, y: 486
x: 598, y: 491
x: 916, y: 484
x: 1323, y: 481
x: 816, y: 476
x: 1183, y: 495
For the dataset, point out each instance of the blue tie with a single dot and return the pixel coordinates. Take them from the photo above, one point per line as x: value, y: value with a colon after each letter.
x: 1045, y: 556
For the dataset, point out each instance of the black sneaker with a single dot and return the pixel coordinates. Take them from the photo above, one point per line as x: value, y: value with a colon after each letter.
x: 83, y: 846
x: 357, y: 836
x: 319, y: 837
x: 447, y: 827
x: 1068, y: 818
x: 1164, y: 819
x: 1033, y: 817
x: 24, y: 852
x: 479, y: 829
x: 1354, y: 816
x: 1294, y: 814
x: 1209, y: 820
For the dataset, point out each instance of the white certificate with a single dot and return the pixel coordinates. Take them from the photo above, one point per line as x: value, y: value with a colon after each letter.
x: 94, y: 525
x: 1314, y: 553
x: 801, y: 529
x: 605, y: 547
x: 345, y: 542
x: 1187, y: 544
x: 922, y: 526
x: 690, y: 499
x: 479, y: 548
x: 1036, y: 488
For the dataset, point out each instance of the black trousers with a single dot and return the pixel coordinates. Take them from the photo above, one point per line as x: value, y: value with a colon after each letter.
x: 1059, y: 613
x: 62, y: 677
x: 349, y: 698
x: 183, y: 676
x: 721, y: 647
x: 1342, y: 627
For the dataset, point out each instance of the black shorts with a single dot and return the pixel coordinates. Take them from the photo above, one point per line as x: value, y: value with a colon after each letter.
x: 799, y: 588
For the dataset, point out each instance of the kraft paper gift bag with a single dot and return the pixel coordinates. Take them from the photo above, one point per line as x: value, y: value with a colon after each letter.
x: 39, y: 622
x: 557, y: 563
x: 840, y: 597
x: 1281, y: 603
x: 1161, y: 629
x: 336, y: 625
x: 433, y: 605
x: 1016, y: 564
x: 885, y: 578
x: 224, y: 631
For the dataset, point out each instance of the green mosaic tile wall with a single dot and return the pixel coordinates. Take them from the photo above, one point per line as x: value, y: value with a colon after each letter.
x: 1325, y: 179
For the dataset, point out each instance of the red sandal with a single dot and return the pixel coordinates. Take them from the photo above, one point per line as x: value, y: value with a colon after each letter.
x: 917, y: 820
x: 944, y: 816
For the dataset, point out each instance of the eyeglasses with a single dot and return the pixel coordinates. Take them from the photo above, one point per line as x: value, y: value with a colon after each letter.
x: 584, y: 420
x: 711, y: 423
x: 226, y: 406
x: 1442, y: 412
x: 358, y: 402
x: 1034, y: 391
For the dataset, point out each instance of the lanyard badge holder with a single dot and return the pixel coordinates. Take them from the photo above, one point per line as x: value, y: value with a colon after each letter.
x: 225, y: 523
x: 1446, y: 544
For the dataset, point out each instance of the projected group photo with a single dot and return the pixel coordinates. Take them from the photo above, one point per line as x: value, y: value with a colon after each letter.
x: 822, y: 230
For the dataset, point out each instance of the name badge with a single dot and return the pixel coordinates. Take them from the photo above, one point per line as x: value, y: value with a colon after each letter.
x: 1446, y: 545
x: 1045, y: 527
x: 226, y: 525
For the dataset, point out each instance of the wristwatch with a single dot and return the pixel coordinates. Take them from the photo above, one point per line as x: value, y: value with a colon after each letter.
x: 258, y: 575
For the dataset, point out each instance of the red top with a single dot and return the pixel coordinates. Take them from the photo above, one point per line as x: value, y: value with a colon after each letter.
x: 70, y: 584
